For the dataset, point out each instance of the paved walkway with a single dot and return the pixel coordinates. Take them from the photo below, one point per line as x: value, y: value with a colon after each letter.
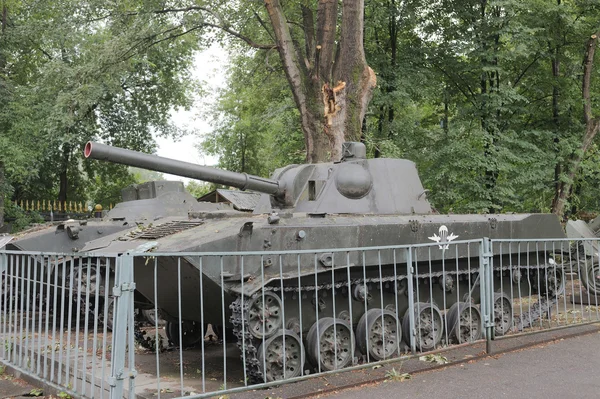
x: 568, y: 368
x: 565, y: 367
x: 11, y: 387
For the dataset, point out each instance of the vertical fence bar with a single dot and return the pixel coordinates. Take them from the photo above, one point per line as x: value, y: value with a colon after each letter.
x: 156, y: 333
x: 86, y: 323
x: 399, y: 326
x: 243, y: 348
x: 122, y: 293
x: 47, y: 314
x: 21, y: 299
x: 54, y: 316
x: 486, y: 290
x: 3, y: 273
x: 490, y: 295
x: 27, y: 315
x: 69, y: 322
x: 78, y: 311
x: 411, y: 300
x: 180, y: 325
x: 108, y: 302
x: 201, y: 272
x: 11, y: 310
x: 131, y: 341
x: 40, y: 316
x: 223, y: 306
x: 96, y: 315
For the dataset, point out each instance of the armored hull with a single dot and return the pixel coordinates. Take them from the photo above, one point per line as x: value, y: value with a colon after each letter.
x: 240, y: 232
x: 143, y: 204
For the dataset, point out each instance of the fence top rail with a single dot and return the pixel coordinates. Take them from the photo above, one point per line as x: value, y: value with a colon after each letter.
x: 542, y: 240
x: 147, y: 251
x: 310, y: 251
x: 435, y: 245
x: 58, y: 254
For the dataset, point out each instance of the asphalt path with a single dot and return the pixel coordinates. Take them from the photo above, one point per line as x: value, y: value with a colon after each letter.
x: 567, y: 368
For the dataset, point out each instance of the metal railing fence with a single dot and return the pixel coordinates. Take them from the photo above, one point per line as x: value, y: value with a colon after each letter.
x: 202, y: 324
x: 56, y: 319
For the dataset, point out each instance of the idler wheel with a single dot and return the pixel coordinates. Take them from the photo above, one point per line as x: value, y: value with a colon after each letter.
x: 264, y: 318
x: 590, y: 276
x: 281, y: 357
x: 330, y: 344
x: 110, y: 311
x: 378, y: 334
x: 191, y: 333
x: 503, y: 314
x: 94, y: 283
x: 554, y: 281
x: 153, y: 317
x: 428, y: 324
x: 464, y: 322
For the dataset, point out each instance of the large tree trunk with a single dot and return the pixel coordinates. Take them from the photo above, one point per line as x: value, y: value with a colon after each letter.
x: 331, y: 84
x: 592, y: 125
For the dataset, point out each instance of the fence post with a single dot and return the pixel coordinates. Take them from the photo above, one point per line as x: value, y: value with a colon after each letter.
x: 123, y: 311
x: 486, y: 285
x: 3, y: 286
x: 411, y: 300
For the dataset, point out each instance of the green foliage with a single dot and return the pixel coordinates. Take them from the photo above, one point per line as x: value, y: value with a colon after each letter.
x: 143, y: 175
x: 75, y: 71
x: 436, y: 359
x: 36, y: 392
x: 484, y: 96
x: 198, y: 189
x: 395, y: 375
x: 64, y: 395
x: 18, y: 218
x: 256, y: 124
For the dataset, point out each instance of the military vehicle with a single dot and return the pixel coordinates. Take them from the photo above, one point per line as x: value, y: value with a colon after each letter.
x: 326, y: 297
x: 143, y: 204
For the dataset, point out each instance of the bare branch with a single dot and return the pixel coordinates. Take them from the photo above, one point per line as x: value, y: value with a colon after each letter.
x: 174, y: 36
x: 248, y: 41
x: 264, y: 25
x: 588, y: 63
x: 524, y: 71
x: 457, y: 85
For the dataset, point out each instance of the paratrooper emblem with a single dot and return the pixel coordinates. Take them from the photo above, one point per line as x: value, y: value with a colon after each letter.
x: 443, y: 238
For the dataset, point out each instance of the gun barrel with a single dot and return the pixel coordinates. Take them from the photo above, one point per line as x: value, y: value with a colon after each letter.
x: 137, y: 159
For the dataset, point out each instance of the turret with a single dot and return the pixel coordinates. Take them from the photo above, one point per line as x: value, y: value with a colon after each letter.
x: 355, y: 185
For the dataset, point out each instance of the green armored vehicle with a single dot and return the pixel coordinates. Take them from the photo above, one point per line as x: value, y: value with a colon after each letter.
x: 327, y: 304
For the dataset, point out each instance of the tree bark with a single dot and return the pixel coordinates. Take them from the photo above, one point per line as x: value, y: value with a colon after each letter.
x: 592, y: 125
x: 331, y: 85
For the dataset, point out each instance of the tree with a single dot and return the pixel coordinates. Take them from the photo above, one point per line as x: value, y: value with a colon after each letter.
x: 329, y: 77
x: 256, y: 126
x: 85, y: 71
x: 321, y: 53
x: 592, y: 125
